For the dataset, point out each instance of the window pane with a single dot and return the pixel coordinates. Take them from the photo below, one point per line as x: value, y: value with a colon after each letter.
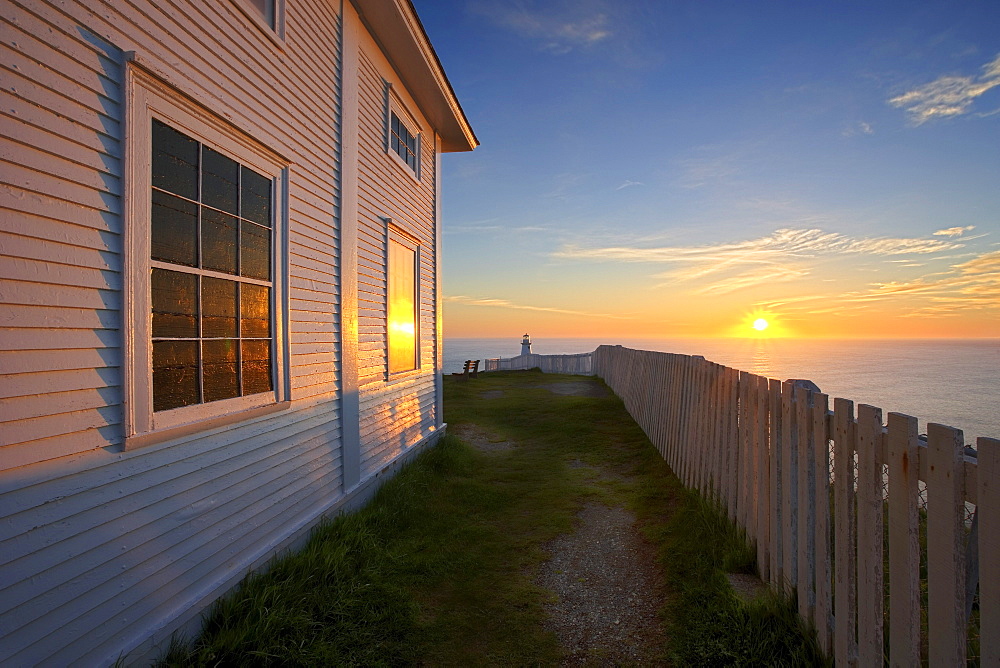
x: 175, y: 304
x: 266, y: 9
x: 219, y: 366
x: 256, y: 200
x: 175, y: 230
x: 175, y: 161
x: 402, y: 308
x: 256, y: 367
x: 255, y: 312
x: 218, y: 240
x: 220, y: 180
x: 218, y: 304
x: 255, y: 251
x: 175, y: 374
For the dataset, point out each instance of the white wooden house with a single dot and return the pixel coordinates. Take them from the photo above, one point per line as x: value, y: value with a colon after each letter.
x: 219, y: 297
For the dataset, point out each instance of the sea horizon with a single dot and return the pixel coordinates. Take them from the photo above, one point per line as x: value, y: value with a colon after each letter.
x: 950, y: 381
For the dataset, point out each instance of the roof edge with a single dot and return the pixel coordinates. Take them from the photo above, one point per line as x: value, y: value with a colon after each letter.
x: 417, y: 63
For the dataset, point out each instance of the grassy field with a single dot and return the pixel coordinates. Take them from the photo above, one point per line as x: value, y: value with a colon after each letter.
x: 439, y: 568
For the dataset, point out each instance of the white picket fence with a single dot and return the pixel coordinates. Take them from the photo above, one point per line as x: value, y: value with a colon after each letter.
x: 822, y: 528
x: 580, y: 364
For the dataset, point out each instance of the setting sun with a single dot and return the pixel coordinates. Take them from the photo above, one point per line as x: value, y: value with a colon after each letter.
x: 760, y: 324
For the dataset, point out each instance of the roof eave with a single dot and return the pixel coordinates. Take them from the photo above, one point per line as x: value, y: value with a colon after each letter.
x: 396, y: 27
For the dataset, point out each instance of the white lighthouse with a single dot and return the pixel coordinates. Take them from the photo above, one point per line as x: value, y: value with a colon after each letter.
x: 525, y: 345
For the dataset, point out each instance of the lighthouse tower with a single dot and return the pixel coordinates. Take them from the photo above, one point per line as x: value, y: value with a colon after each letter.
x: 526, y: 345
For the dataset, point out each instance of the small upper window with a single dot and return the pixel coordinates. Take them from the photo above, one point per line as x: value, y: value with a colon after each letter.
x: 266, y: 9
x: 403, y: 142
x: 268, y: 14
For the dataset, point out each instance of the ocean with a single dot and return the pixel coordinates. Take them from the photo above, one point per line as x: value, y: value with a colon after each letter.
x: 950, y: 381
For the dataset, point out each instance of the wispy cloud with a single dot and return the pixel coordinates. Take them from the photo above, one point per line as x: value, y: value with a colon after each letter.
x: 781, y: 256
x: 768, y: 274
x: 954, y: 231
x: 629, y: 184
x: 564, y: 185
x: 698, y: 172
x: 504, y: 303
x: 859, y: 128
x: 783, y: 243
x: 947, y: 96
x: 558, y: 28
x: 970, y: 285
x: 486, y: 227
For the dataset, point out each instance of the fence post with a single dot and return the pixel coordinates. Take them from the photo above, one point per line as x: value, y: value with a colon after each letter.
x: 743, y: 450
x: 988, y: 508
x: 945, y: 547
x: 870, y: 549
x: 845, y: 603
x: 806, y: 556
x: 821, y: 463
x: 764, y: 528
x: 789, y: 485
x: 732, y: 442
x: 904, y: 541
x: 778, y: 446
x: 701, y: 423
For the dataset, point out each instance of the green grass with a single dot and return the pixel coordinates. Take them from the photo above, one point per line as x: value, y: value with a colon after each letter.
x: 711, y: 626
x: 439, y: 568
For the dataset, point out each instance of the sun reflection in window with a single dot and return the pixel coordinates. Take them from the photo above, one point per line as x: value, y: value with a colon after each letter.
x: 402, y: 307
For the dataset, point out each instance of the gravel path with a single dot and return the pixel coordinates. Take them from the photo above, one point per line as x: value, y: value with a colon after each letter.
x: 607, y: 590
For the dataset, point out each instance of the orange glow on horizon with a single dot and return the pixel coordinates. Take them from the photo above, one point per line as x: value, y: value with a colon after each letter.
x: 702, y: 319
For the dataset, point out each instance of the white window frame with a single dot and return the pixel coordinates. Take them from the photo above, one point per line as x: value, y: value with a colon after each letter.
x: 395, y: 233
x: 393, y: 105
x: 148, y: 98
x: 275, y: 32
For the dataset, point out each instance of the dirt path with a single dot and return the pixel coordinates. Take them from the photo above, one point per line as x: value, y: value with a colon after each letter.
x: 606, y: 589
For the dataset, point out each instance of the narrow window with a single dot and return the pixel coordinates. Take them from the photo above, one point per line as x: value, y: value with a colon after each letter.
x: 211, y: 274
x: 403, y: 142
x: 266, y: 10
x: 402, y: 306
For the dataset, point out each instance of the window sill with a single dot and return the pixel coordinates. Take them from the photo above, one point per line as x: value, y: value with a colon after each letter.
x: 391, y: 377
x: 404, y: 166
x: 172, y: 433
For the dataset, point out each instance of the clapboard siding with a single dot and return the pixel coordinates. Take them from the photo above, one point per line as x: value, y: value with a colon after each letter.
x: 187, y: 512
x: 55, y: 252
x: 104, y: 545
x: 400, y: 408
x: 105, y: 550
x: 158, y: 509
x: 64, y: 144
x: 23, y: 385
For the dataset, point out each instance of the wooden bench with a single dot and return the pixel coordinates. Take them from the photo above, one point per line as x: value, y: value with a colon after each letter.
x: 470, y: 369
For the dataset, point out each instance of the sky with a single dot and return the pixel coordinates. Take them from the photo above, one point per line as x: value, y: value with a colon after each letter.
x: 684, y: 168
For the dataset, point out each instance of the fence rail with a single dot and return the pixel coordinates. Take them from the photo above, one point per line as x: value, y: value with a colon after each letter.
x: 839, y: 505
x: 580, y: 364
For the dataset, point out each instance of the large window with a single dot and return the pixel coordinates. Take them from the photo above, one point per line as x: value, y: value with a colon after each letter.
x: 211, y: 288
x: 403, y: 261
x: 204, y: 334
